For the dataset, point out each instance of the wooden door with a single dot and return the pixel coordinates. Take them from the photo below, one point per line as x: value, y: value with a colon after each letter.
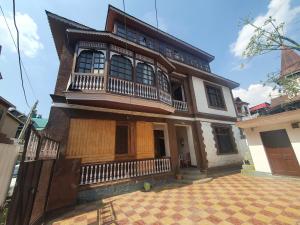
x: 280, y: 153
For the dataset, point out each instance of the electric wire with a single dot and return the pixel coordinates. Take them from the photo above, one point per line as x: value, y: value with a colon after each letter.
x: 23, y: 66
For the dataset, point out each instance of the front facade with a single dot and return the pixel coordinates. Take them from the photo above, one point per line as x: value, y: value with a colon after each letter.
x: 139, y: 97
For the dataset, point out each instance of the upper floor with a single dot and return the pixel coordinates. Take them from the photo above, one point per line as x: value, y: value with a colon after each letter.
x: 110, y: 70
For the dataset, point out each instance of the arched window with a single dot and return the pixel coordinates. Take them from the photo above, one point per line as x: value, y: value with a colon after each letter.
x: 90, y: 62
x: 144, y: 74
x: 121, y: 67
x: 163, y: 81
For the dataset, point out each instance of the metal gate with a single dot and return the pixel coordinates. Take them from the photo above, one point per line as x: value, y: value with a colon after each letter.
x: 36, y: 168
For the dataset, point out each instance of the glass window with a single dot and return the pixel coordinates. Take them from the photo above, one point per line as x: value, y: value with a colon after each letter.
x: 163, y: 81
x: 215, y: 96
x: 121, y: 67
x: 144, y: 74
x: 90, y: 62
x: 224, y: 139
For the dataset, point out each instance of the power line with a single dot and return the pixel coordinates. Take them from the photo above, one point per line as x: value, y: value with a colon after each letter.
x: 19, y: 55
x: 23, y: 66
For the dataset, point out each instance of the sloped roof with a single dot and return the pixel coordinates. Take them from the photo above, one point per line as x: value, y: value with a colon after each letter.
x: 290, y: 62
x: 39, y: 123
x: 3, y: 101
x: 260, y: 106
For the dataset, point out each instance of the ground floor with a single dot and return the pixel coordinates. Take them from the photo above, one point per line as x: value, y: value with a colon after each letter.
x: 99, y: 137
x: 233, y: 199
x: 274, y: 142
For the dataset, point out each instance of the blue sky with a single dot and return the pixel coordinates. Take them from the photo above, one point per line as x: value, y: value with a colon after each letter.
x: 212, y: 25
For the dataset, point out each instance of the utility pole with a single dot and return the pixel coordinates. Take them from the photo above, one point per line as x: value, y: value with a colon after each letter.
x: 22, y: 133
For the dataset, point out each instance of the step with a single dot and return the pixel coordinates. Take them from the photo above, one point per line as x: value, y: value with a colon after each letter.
x: 248, y: 167
x: 190, y: 171
x: 198, y: 181
x: 194, y: 176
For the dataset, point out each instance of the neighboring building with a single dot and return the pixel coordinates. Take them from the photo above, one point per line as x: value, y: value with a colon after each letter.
x: 242, y: 108
x: 138, y: 96
x: 274, y: 139
x: 39, y: 123
x: 8, y: 122
x: 260, y: 109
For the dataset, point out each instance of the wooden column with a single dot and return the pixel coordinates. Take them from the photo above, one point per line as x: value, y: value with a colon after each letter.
x: 173, y: 146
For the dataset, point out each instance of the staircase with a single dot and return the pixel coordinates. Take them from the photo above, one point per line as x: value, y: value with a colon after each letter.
x: 193, y: 176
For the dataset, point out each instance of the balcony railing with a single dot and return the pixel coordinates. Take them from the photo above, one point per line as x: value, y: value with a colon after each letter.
x: 84, y: 81
x: 180, y: 105
x: 96, y: 82
x: 114, y: 171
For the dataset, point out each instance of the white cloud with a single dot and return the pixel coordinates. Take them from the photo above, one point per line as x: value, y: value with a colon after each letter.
x: 255, y: 94
x: 29, y: 39
x: 150, y: 17
x: 280, y: 10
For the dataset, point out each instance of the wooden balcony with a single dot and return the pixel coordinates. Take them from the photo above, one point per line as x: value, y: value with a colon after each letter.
x: 98, y: 173
x: 180, y: 106
x: 117, y: 93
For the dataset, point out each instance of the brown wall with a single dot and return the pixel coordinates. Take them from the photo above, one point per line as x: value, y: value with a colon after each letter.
x: 144, y: 140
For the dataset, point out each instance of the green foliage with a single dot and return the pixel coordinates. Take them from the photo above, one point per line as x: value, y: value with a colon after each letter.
x: 270, y: 37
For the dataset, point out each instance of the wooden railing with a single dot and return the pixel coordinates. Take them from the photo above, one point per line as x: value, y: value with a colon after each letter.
x: 180, y: 105
x: 120, y: 86
x: 113, y: 171
x: 83, y: 81
x: 165, y: 97
x: 146, y: 91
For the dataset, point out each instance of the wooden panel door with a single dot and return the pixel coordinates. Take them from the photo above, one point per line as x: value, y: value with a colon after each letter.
x: 144, y: 140
x: 280, y: 153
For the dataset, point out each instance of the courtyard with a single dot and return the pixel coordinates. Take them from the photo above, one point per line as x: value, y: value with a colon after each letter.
x: 232, y: 200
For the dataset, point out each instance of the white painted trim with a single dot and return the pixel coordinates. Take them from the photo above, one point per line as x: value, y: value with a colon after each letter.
x: 125, y: 56
x: 118, y: 111
x: 179, y: 74
x: 147, y: 63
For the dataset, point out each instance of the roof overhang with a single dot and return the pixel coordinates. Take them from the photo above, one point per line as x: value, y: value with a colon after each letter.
x: 284, y: 117
x: 184, y: 68
x: 58, y: 26
x: 75, y: 35
x: 115, y: 14
x: 6, y: 103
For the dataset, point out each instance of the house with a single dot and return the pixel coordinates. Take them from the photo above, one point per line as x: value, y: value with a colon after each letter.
x: 8, y: 122
x: 242, y: 108
x: 274, y: 139
x: 135, y: 100
x: 260, y: 109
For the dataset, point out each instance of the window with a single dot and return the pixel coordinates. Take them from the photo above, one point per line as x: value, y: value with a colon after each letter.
x: 90, y: 62
x: 144, y: 74
x: 214, y: 96
x: 224, y: 139
x: 163, y: 81
x: 131, y: 35
x: 122, y: 137
x: 177, y: 90
x: 1, y: 113
x: 121, y: 67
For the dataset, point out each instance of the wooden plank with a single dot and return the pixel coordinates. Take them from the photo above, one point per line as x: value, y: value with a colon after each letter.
x: 91, y: 140
x: 144, y: 140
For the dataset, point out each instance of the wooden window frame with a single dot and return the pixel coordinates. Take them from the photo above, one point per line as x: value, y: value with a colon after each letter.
x: 120, y: 67
x: 140, y: 75
x: 93, y: 52
x: 131, y: 140
x: 206, y: 85
x: 217, y: 125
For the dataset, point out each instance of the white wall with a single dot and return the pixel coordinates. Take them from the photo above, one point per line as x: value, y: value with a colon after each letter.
x: 8, y: 156
x: 201, y: 100
x: 257, y: 150
x: 215, y: 160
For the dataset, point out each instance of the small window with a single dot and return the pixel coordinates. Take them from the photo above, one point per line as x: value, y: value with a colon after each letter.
x: 121, y: 67
x: 144, y: 74
x: 224, y: 139
x: 163, y: 81
x: 90, y: 62
x: 122, y: 139
x: 215, y: 96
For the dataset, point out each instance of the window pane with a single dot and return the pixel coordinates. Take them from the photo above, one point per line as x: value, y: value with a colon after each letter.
x: 90, y: 62
x: 215, y: 97
x: 224, y: 140
x: 144, y: 74
x: 121, y: 67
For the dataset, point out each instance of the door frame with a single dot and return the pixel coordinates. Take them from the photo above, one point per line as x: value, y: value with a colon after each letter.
x: 164, y: 127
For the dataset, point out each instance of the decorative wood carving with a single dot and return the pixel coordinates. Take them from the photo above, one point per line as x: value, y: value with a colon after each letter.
x: 95, y: 45
x: 121, y: 50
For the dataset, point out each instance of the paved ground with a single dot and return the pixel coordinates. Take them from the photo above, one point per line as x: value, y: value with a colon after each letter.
x: 233, y: 199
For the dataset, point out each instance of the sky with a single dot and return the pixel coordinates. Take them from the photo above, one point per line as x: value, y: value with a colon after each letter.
x: 214, y: 26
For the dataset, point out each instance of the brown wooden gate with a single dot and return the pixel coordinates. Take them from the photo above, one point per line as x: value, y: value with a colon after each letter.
x: 280, y: 153
x: 32, y: 186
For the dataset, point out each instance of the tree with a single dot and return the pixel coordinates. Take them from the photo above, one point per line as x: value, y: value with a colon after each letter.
x: 270, y: 37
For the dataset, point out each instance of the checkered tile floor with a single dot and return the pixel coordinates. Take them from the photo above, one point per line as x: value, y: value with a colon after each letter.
x: 233, y: 199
